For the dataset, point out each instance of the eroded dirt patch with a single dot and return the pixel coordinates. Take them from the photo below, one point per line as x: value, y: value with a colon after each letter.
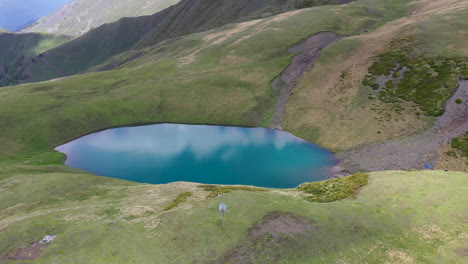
x: 30, y: 252
x: 307, y: 53
x: 265, y: 238
x: 280, y: 223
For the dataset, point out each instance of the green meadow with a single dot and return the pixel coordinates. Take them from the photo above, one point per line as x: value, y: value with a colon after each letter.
x: 398, y: 217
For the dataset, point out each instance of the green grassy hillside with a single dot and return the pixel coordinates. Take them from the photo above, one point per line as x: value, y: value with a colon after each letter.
x: 339, y: 112
x: 173, y: 84
x: 205, y: 15
x: 80, y: 16
x: 84, y: 53
x: 18, y: 53
x: 398, y: 217
x: 172, y: 81
x: 78, y: 55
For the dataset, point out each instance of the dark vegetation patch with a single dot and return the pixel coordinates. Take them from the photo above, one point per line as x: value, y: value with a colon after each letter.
x: 461, y: 144
x: 109, y: 212
x: 415, y: 77
x: 30, y: 252
x: 42, y: 88
x: 217, y: 189
x: 462, y: 251
x: 178, y: 200
x: 334, y: 189
x: 277, y: 230
x: 312, y: 3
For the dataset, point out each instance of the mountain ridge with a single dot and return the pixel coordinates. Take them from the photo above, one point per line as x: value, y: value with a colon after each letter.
x: 186, y: 17
x: 80, y: 16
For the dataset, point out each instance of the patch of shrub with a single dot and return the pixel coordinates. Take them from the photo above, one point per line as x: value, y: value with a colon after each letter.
x: 344, y: 74
x: 333, y: 189
x: 389, y: 84
x: 218, y: 189
x: 178, y: 200
x: 458, y: 101
x: 109, y: 212
x: 461, y: 143
x: 429, y: 82
x: 452, y: 153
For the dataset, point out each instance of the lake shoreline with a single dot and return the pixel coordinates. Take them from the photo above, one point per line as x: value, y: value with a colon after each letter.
x: 164, y: 153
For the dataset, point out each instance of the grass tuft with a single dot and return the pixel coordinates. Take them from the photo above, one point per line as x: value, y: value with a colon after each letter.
x: 216, y: 189
x: 178, y: 200
x: 333, y: 189
x: 461, y: 143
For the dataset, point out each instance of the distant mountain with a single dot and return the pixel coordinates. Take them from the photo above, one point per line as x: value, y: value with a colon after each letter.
x: 25, y: 25
x: 84, y: 53
x: 80, y: 16
x: 14, y: 13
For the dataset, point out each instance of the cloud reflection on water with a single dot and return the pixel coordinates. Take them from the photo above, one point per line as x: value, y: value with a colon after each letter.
x: 169, y: 140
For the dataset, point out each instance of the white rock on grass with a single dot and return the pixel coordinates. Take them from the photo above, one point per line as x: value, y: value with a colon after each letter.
x: 47, y: 239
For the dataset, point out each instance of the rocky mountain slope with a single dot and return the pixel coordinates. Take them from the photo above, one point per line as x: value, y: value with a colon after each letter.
x: 80, y: 16
x: 15, y: 14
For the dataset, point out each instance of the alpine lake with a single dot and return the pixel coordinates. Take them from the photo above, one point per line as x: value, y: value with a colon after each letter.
x: 165, y: 153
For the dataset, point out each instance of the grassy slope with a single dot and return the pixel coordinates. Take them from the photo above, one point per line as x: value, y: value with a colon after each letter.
x: 399, y: 217
x: 78, y: 55
x: 12, y: 46
x: 190, y: 87
x: 83, y: 53
x: 82, y: 15
x: 340, y: 115
x: 17, y: 51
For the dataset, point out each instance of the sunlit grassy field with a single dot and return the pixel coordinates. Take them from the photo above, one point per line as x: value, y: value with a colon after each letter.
x: 399, y: 217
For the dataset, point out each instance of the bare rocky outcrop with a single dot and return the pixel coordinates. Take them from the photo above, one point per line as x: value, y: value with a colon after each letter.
x: 415, y: 151
x: 308, y: 52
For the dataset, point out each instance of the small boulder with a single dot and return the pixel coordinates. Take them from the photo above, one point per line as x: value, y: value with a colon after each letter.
x: 47, y: 239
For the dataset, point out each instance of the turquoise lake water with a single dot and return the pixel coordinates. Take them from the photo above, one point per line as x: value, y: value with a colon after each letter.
x: 166, y: 153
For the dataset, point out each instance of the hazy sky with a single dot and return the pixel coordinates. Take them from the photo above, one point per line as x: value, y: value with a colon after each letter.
x: 16, y: 13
